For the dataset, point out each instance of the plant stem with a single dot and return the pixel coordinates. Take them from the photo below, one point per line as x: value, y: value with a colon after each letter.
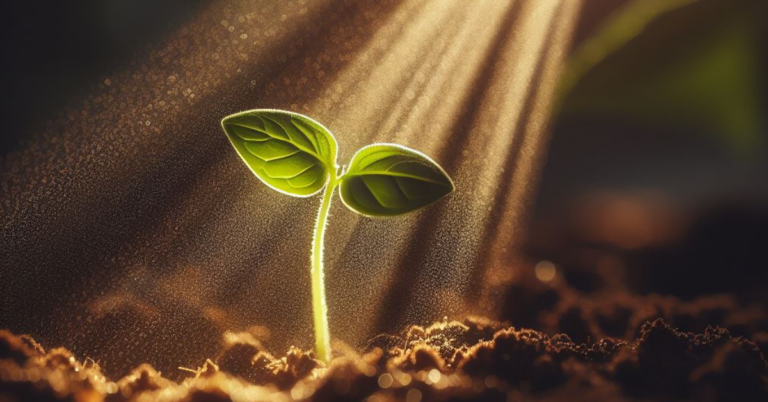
x: 319, y: 307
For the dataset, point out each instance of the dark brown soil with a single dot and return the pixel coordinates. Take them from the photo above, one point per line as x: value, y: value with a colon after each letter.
x: 472, y: 360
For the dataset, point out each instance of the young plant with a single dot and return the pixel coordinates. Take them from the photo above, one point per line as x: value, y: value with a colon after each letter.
x: 296, y: 155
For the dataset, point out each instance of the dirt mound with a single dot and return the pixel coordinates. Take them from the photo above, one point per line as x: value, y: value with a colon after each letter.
x: 471, y: 360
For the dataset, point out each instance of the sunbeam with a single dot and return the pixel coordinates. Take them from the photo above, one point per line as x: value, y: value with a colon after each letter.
x: 175, y: 241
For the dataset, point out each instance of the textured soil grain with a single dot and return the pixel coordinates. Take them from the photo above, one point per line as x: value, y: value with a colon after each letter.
x: 475, y: 359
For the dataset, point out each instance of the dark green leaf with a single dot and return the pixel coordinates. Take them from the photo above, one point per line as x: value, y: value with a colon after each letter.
x: 289, y: 152
x: 389, y: 179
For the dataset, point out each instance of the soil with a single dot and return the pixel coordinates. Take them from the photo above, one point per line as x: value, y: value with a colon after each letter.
x: 475, y: 359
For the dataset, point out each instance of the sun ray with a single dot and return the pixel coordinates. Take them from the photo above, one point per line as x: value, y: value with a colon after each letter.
x: 134, y: 198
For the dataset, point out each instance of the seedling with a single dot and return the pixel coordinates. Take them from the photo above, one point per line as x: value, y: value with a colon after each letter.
x: 296, y: 155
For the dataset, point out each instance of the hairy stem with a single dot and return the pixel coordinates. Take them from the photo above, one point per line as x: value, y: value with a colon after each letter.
x: 319, y: 307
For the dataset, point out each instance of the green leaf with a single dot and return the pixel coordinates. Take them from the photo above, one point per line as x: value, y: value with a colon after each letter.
x: 389, y: 179
x: 289, y: 152
x: 706, y: 77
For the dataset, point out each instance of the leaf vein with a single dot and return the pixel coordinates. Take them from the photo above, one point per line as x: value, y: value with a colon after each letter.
x: 314, y: 152
x: 397, y: 174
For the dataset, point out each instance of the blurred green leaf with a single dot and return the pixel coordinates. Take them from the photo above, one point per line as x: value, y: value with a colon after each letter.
x: 695, y: 66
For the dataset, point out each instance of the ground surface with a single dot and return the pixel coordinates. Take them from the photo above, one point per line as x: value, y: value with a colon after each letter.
x: 472, y: 360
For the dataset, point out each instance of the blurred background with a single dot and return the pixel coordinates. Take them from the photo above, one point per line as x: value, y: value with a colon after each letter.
x: 659, y: 152
x: 655, y: 184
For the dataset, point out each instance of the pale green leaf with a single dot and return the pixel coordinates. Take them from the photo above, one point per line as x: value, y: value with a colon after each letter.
x: 389, y: 179
x: 289, y: 152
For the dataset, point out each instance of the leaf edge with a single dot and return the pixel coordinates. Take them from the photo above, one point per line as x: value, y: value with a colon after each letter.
x: 425, y: 156
x: 248, y: 165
